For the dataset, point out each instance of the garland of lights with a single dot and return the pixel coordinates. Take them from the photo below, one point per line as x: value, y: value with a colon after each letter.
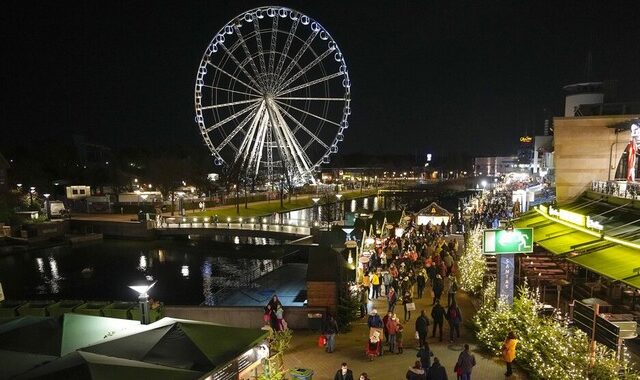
x: 472, y: 265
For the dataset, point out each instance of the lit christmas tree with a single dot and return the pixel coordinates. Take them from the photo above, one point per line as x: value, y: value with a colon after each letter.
x: 472, y: 264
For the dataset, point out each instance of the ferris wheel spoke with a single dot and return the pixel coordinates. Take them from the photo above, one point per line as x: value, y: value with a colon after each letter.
x: 287, y: 46
x: 274, y: 40
x: 256, y: 26
x: 308, y: 113
x: 300, y: 126
x: 231, y: 104
x: 248, y: 54
x: 309, y: 84
x: 300, y: 157
x: 297, y: 75
x: 231, y: 117
x: 256, y: 96
x: 240, y: 66
x: 238, y: 129
x: 303, y: 98
x: 298, y: 55
x: 235, y: 78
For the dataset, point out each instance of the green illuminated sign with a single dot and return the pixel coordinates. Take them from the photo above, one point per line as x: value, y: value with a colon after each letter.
x: 516, y: 240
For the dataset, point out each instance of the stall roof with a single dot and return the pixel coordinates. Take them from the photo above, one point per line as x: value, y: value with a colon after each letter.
x: 617, y: 263
x: 555, y: 237
x: 434, y: 209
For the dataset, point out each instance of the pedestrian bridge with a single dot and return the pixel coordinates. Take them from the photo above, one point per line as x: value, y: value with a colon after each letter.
x: 247, y: 227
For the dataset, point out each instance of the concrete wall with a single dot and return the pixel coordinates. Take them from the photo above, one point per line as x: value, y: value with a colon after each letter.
x: 125, y: 230
x: 586, y: 149
x: 249, y: 317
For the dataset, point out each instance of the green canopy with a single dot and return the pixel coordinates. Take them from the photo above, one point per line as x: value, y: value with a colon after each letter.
x: 85, y: 365
x: 54, y: 336
x: 183, y: 344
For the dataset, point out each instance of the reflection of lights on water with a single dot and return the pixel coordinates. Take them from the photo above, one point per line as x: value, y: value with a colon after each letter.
x: 185, y: 271
x: 236, y: 240
x: 161, y: 257
x: 55, y: 277
x: 142, y: 264
x: 353, y: 205
x: 40, y: 265
x: 207, y: 282
x: 375, y: 204
x: 365, y: 204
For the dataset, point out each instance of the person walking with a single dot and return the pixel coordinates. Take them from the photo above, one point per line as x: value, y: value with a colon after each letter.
x: 451, y: 292
x: 366, y: 282
x: 509, y: 351
x: 425, y: 354
x: 421, y: 281
x: 384, y: 324
x: 437, y: 313
x: 364, y: 376
x: 344, y: 373
x: 437, y: 371
x: 330, y: 330
x: 392, y: 299
x: 407, y: 301
x: 438, y: 287
x: 364, y: 301
x: 416, y: 372
x: 392, y: 329
x: 422, y: 328
x: 375, y: 281
x: 454, y: 317
x: 466, y: 362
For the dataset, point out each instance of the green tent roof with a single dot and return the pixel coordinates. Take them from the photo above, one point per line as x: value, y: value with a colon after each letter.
x: 615, y: 262
x: 184, y: 344
x: 85, y: 365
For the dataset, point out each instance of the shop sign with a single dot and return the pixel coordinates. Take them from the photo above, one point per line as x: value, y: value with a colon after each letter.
x: 351, y: 244
x: 516, y: 240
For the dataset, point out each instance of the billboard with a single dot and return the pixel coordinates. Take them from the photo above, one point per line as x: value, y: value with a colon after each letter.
x: 515, y: 240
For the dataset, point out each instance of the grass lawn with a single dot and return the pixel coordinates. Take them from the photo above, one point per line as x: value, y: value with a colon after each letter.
x: 267, y: 208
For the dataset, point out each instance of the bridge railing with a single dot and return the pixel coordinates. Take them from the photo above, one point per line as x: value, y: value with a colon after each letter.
x: 251, y: 224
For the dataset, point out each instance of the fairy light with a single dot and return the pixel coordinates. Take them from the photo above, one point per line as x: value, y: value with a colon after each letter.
x: 472, y: 265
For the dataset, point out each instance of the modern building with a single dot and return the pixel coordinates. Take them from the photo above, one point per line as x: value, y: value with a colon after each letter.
x: 497, y: 166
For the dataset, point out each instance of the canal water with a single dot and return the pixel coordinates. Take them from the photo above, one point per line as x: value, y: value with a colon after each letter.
x: 188, y: 272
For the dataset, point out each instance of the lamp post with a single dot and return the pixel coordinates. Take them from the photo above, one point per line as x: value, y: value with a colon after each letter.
x: 46, y: 204
x: 32, y: 191
x: 143, y: 300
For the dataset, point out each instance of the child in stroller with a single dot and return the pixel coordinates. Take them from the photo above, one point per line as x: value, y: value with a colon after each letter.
x: 373, y: 345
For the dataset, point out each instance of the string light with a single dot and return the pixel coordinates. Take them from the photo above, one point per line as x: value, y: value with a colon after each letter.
x: 472, y: 265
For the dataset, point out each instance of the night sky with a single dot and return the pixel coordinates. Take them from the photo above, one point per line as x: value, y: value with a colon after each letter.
x: 427, y: 76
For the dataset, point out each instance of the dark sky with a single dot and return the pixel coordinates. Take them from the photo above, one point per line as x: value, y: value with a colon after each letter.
x: 426, y: 75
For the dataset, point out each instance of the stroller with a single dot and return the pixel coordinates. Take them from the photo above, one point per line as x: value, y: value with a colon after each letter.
x: 373, y: 346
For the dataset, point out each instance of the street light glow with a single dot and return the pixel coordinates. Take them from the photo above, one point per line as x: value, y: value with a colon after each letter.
x: 142, y: 289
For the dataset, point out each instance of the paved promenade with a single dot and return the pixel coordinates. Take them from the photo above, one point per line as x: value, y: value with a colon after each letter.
x: 350, y: 348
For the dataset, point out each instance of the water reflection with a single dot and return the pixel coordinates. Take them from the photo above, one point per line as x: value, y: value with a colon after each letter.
x: 49, y: 277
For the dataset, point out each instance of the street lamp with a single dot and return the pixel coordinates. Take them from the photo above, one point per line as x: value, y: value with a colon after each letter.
x: 46, y: 204
x: 143, y: 300
x: 338, y: 211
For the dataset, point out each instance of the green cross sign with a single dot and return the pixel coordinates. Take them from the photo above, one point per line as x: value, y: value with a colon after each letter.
x: 516, y: 240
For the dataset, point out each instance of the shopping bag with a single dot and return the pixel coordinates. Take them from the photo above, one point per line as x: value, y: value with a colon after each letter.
x: 417, y: 335
x: 322, y: 341
x: 411, y: 306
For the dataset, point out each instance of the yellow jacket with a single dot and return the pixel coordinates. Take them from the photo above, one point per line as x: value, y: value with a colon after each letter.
x: 509, y: 350
x: 375, y: 280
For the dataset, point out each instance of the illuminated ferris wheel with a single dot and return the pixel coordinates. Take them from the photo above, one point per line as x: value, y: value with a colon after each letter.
x: 272, y: 96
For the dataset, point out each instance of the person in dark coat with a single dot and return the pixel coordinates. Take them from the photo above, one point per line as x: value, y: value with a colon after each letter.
x: 425, y: 354
x: 454, y: 317
x: 466, y: 362
x: 437, y: 313
x: 344, y: 373
x: 422, y: 328
x: 438, y: 288
x: 416, y: 372
x: 437, y: 371
x: 421, y: 281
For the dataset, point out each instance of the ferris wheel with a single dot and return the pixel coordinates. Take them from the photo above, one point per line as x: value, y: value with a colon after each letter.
x: 272, y: 96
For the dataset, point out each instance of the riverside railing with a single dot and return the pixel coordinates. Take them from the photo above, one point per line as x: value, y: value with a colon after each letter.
x: 250, y: 224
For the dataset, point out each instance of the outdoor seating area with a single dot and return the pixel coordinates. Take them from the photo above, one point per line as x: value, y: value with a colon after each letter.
x: 50, y: 308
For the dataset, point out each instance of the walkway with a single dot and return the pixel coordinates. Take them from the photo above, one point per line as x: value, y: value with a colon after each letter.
x: 350, y: 348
